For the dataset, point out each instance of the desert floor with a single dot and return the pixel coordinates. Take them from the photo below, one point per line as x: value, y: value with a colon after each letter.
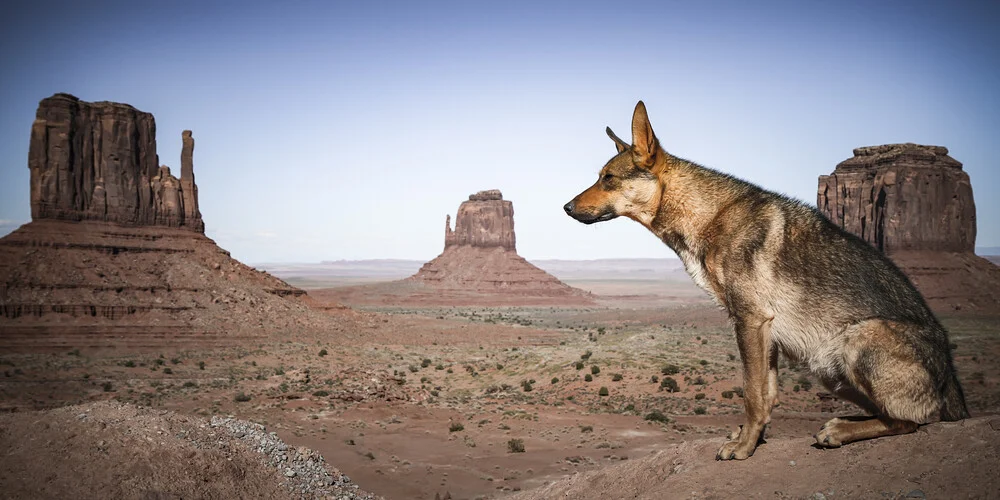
x: 605, y: 400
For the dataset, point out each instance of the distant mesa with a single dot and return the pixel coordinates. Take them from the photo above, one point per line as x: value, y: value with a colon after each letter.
x: 115, y: 253
x: 915, y: 204
x: 480, y: 257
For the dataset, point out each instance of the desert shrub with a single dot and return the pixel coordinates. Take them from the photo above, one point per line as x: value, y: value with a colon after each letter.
x: 175, y: 361
x: 129, y: 364
x: 526, y: 386
x: 425, y: 363
x: 616, y: 377
x: 657, y: 416
x: 732, y: 357
x: 167, y: 371
x: 321, y: 394
x: 670, y: 370
x: 413, y: 368
x: 595, y: 369
x: 439, y: 366
x: 499, y: 366
x: 578, y: 365
x: 700, y: 380
x: 805, y: 383
x: 189, y: 384
x: 699, y: 396
x: 603, y: 391
x: 586, y: 428
x: 585, y: 356
x: 727, y: 394
x: 703, y: 362
x: 669, y: 384
x: 588, y: 378
x: 456, y: 427
x: 434, y: 393
x: 322, y: 352
x: 654, y: 379
x: 555, y: 380
x: 107, y: 387
x: 701, y: 410
x: 241, y: 397
x: 738, y: 391
x: 201, y: 365
x: 159, y: 361
x: 279, y: 370
x: 424, y: 380
x: 796, y: 388
x: 515, y: 446
x: 704, y: 341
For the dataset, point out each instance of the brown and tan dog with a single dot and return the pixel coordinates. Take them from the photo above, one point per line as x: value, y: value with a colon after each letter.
x: 791, y: 281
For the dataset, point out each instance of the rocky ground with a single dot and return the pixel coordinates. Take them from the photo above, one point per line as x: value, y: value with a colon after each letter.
x: 418, y: 401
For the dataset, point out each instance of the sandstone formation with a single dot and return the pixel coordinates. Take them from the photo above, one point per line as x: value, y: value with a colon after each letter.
x: 116, y: 253
x: 486, y: 220
x: 915, y: 204
x: 480, y: 260
x: 902, y: 197
x: 97, y: 161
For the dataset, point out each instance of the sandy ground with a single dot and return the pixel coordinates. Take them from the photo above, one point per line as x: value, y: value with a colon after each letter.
x: 425, y: 400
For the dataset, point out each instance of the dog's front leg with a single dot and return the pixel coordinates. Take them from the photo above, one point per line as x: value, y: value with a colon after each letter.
x: 754, y: 339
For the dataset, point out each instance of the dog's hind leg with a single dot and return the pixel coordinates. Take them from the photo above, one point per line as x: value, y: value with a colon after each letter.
x: 885, y: 376
x: 840, y: 431
x: 753, y: 336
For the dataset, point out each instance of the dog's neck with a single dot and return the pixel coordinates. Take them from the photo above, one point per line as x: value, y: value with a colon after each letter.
x: 691, y: 196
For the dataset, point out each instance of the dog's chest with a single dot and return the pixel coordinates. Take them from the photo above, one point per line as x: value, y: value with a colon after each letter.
x: 696, y: 269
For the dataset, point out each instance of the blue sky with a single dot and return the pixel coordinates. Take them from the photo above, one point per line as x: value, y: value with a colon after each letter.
x: 333, y: 130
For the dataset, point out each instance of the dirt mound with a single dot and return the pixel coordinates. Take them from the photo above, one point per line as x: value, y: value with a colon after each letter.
x: 944, y: 460
x: 115, y: 450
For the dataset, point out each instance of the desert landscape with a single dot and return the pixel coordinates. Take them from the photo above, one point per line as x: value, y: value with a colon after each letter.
x: 140, y: 360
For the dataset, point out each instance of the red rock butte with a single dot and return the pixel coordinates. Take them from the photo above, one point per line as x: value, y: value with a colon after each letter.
x: 115, y: 254
x: 915, y: 204
x: 480, y: 257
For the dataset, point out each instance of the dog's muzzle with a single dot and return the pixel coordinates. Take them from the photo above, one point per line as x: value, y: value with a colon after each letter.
x: 570, y: 209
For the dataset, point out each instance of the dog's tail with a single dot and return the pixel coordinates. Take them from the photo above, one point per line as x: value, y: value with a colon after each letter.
x: 953, y: 399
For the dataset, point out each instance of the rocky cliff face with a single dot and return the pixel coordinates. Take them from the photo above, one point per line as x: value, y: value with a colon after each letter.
x: 902, y: 197
x: 485, y: 220
x: 97, y: 161
x: 915, y: 204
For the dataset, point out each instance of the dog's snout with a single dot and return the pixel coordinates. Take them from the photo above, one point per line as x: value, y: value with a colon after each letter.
x: 569, y: 207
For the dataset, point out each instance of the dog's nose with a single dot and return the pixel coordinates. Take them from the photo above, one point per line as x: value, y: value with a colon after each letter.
x: 569, y: 207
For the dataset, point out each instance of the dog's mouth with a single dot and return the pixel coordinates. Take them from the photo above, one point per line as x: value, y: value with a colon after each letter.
x: 588, y: 219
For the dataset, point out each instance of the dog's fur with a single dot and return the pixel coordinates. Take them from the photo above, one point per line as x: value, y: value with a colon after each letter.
x: 790, y: 280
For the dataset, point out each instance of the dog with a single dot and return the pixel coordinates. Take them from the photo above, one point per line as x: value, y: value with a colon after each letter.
x: 790, y: 281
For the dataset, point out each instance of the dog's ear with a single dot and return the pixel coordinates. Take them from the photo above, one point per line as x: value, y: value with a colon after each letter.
x: 619, y: 144
x: 643, y: 138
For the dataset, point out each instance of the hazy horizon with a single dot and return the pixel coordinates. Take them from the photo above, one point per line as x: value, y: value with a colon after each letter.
x: 348, y: 131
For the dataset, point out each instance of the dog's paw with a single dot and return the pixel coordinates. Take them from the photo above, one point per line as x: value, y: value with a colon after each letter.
x: 830, y: 435
x: 735, y: 450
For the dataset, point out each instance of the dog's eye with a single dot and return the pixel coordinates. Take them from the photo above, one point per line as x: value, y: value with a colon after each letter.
x: 608, y: 177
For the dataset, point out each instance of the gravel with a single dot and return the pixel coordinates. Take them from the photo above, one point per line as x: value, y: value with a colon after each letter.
x: 304, y: 470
